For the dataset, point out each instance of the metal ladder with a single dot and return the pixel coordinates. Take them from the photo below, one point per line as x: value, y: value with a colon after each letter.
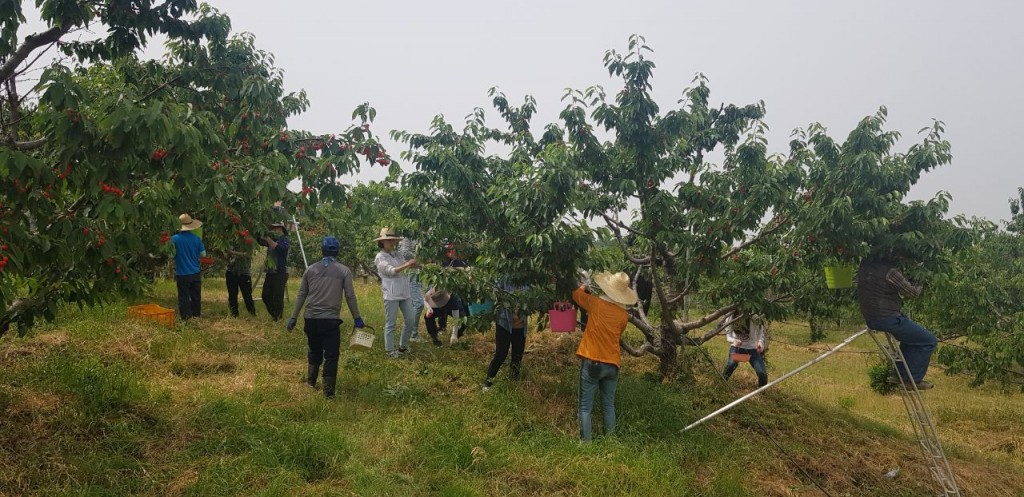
x: 919, y: 417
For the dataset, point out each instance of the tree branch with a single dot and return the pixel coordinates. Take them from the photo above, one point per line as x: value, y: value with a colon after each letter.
x: 29, y: 145
x: 757, y: 238
x: 645, y: 348
x: 616, y: 227
x: 691, y: 325
x: 31, y: 43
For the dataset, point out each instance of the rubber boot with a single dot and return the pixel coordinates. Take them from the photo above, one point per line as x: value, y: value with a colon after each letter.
x: 329, y: 383
x: 311, y: 373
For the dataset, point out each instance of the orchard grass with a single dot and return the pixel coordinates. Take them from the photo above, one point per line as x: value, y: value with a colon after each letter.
x: 97, y: 404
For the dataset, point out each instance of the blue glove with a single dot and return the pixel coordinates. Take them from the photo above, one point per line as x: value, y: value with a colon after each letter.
x: 291, y: 324
x: 360, y: 323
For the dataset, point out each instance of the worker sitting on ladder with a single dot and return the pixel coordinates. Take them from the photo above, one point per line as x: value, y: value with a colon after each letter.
x: 880, y: 286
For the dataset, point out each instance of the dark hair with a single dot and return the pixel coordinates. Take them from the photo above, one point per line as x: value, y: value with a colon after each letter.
x: 380, y: 244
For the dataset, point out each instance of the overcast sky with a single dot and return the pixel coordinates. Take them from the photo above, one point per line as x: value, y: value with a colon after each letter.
x: 809, y: 60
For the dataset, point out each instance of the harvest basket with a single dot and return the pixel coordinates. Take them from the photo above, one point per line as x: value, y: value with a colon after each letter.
x: 740, y: 357
x: 562, y: 317
x: 153, y: 312
x: 362, y: 340
x: 839, y: 276
x: 481, y: 308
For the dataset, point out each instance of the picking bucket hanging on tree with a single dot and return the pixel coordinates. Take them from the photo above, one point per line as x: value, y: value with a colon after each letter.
x: 478, y: 308
x: 562, y: 317
x: 839, y: 276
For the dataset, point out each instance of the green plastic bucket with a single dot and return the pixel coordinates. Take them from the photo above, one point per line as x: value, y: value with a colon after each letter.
x: 839, y: 276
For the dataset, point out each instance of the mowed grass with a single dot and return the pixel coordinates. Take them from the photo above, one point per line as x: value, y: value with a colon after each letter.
x: 96, y: 404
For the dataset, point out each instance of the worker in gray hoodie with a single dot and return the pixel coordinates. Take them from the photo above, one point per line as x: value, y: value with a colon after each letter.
x: 322, y: 286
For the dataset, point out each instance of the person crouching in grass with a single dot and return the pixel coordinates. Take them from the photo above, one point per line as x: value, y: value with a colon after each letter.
x: 599, y: 349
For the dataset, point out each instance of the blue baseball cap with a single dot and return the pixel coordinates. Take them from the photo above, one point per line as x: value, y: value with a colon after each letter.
x: 330, y: 244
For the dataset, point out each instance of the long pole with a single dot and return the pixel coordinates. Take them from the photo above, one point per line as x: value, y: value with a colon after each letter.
x: 781, y: 378
x: 298, y: 234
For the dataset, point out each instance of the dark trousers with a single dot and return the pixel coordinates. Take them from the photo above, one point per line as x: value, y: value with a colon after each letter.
x: 238, y: 282
x: 439, y: 320
x: 273, y: 293
x: 190, y: 294
x: 503, y: 340
x: 324, y: 339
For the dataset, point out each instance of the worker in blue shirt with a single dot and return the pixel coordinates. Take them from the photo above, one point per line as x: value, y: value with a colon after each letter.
x: 188, y: 248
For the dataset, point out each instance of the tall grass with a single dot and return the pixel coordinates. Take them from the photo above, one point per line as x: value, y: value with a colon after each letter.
x: 98, y: 405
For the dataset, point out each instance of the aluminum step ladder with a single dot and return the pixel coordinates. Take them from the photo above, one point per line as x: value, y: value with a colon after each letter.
x: 919, y: 417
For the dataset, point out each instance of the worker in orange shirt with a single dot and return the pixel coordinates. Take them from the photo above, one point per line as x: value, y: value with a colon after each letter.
x: 599, y: 350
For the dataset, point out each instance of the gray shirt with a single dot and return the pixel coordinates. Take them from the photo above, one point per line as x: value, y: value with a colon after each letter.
x: 321, y: 291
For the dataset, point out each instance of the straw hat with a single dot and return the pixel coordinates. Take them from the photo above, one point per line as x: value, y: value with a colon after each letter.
x: 616, y: 288
x: 437, y: 298
x: 189, y: 224
x: 387, y: 234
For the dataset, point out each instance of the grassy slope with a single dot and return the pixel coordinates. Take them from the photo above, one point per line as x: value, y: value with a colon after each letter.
x: 98, y: 405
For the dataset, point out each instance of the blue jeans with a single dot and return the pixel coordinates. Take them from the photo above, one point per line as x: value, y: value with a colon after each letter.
x: 756, y: 362
x: 916, y: 343
x: 391, y: 308
x: 596, y: 376
x: 416, y: 295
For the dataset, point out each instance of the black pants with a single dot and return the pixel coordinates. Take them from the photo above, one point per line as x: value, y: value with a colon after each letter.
x: 503, y: 340
x: 644, y: 290
x: 190, y: 295
x: 273, y: 293
x: 238, y: 282
x: 439, y: 321
x: 324, y: 339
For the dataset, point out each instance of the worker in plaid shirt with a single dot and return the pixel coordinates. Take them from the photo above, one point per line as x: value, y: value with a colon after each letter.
x: 881, y: 288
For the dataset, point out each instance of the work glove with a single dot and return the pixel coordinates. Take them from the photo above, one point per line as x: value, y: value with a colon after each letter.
x: 360, y: 323
x: 291, y: 324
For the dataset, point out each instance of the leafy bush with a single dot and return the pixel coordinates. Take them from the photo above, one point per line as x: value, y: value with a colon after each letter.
x: 880, y: 375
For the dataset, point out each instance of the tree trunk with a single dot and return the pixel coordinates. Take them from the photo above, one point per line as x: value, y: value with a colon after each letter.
x: 669, y: 356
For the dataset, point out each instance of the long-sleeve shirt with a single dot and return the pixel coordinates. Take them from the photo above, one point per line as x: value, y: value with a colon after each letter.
x: 321, y: 290
x: 277, y: 257
x: 506, y: 318
x: 393, y: 284
x: 605, y: 325
x: 880, y: 286
x: 748, y: 330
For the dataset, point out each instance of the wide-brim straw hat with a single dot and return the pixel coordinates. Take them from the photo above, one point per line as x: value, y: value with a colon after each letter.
x: 387, y: 234
x: 437, y: 298
x: 189, y: 224
x: 616, y: 287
